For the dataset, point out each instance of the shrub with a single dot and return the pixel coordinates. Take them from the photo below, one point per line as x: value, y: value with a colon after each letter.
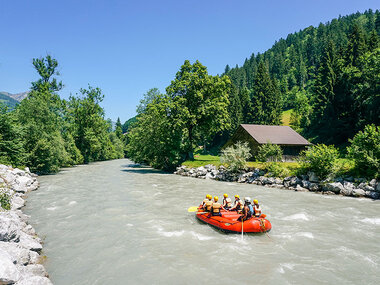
x: 275, y: 169
x: 269, y: 151
x: 5, y: 200
x: 365, y: 151
x: 320, y: 159
x: 236, y: 156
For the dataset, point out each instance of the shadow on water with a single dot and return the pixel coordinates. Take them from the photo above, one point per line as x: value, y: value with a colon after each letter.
x: 141, y: 169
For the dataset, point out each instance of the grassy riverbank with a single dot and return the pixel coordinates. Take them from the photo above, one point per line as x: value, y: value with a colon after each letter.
x: 343, y: 166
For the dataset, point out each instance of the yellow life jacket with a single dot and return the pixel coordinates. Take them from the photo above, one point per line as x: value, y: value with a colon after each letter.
x: 208, y: 205
x: 228, y: 202
x: 257, y: 210
x: 216, y: 207
x: 205, y: 201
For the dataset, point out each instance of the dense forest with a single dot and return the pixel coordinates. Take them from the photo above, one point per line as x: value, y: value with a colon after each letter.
x: 328, y: 76
x: 46, y: 132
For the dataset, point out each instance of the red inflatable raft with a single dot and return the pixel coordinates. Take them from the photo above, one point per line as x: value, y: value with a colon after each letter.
x: 228, y: 222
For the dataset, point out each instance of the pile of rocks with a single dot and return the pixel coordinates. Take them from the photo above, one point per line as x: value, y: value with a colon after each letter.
x: 20, y: 248
x: 349, y: 186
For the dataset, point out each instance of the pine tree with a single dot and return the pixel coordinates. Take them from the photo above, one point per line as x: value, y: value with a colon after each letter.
x: 266, y: 99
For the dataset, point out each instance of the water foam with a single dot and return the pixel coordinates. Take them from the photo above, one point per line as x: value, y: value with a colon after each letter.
x: 298, y: 216
x: 201, y: 237
x: 372, y: 221
x: 72, y: 203
x: 51, y: 208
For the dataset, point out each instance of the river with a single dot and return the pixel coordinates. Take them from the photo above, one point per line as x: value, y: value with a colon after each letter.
x: 116, y: 223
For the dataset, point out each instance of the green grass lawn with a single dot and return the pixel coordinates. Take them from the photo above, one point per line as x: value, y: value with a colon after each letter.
x: 286, y: 117
x: 202, y: 160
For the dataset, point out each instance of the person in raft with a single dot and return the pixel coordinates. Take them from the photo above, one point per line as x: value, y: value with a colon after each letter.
x: 238, y: 204
x: 227, y: 203
x: 208, y: 204
x: 247, y: 211
x: 215, y: 208
x: 208, y: 198
x: 256, y: 208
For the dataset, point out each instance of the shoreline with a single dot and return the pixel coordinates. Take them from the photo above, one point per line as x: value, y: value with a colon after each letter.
x: 20, y: 247
x: 351, y: 187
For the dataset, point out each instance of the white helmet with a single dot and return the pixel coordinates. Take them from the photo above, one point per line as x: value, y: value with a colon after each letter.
x: 247, y: 200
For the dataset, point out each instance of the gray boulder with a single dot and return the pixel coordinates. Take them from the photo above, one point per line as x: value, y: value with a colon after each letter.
x: 372, y: 194
x: 18, y: 254
x: 35, y: 270
x: 369, y: 188
x: 9, y: 273
x: 295, y: 181
x: 362, y: 185
x: 9, y: 226
x: 358, y: 193
x: 378, y: 187
x: 313, y: 187
x: 372, y: 183
x: 209, y: 175
x: 278, y: 181
x: 305, y: 184
x: 334, y: 187
x: 17, y: 202
x: 348, y: 188
x: 299, y: 188
x: 35, y: 280
x: 313, y: 177
x: 28, y: 242
x: 201, y: 171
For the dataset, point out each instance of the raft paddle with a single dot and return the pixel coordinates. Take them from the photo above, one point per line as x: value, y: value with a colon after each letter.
x: 192, y: 209
x: 242, y: 222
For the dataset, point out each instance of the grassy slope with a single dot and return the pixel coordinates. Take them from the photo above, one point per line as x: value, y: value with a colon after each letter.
x: 286, y: 117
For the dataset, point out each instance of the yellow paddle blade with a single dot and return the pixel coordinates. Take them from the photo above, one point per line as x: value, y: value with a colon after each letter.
x: 193, y: 209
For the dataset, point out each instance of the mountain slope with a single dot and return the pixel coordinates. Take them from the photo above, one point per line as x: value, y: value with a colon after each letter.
x: 7, y: 100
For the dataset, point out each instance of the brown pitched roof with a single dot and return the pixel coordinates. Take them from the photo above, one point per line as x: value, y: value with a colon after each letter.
x: 282, y: 135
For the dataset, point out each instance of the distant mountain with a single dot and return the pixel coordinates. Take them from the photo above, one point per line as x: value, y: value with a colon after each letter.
x: 11, y: 100
x: 8, y: 101
x: 18, y: 97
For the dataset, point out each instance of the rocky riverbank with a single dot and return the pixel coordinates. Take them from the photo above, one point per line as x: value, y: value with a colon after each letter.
x: 348, y: 186
x: 20, y: 247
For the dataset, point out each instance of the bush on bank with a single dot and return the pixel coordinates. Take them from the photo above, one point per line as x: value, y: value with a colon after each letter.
x: 236, y: 156
x: 365, y: 151
x: 320, y: 159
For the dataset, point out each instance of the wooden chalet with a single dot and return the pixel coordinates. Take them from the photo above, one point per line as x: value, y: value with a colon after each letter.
x: 291, y: 142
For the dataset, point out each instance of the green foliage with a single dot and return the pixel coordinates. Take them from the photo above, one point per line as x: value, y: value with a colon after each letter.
x: 129, y: 124
x: 266, y: 99
x: 11, y: 143
x: 321, y: 159
x: 89, y: 128
x: 46, y: 68
x: 157, y: 137
x: 5, y: 199
x: 276, y: 169
x: 203, y: 99
x: 148, y: 98
x: 269, y: 151
x: 365, y: 151
x: 46, y: 133
x: 236, y: 156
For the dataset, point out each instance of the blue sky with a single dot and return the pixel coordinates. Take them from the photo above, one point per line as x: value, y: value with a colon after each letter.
x: 128, y: 47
